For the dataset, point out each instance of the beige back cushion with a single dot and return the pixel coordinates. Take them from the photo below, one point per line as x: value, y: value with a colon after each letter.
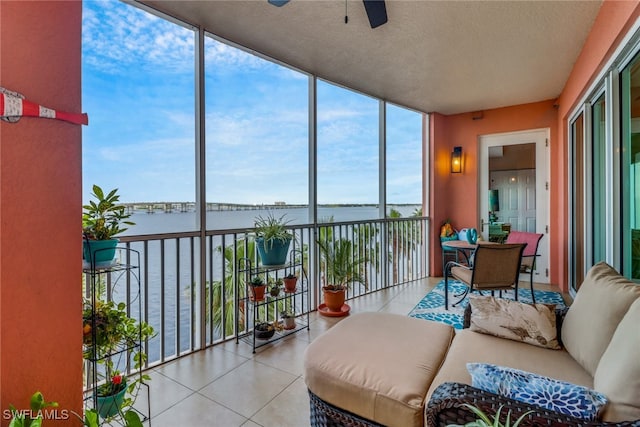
x: 600, y: 304
x: 618, y: 373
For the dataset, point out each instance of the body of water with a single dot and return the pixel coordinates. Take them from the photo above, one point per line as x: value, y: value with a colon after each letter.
x: 171, y: 222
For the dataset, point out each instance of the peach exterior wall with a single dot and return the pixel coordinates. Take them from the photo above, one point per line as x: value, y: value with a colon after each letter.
x: 455, y: 196
x: 614, y: 20
x: 40, y: 214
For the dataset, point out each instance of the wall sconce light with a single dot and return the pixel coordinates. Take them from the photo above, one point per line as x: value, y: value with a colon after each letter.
x: 456, y: 160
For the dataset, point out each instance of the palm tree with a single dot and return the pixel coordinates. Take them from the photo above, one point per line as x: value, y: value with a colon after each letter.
x: 222, y: 294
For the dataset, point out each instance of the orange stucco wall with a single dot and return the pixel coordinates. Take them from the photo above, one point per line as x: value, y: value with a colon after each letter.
x: 455, y: 195
x: 40, y: 199
x: 613, y: 22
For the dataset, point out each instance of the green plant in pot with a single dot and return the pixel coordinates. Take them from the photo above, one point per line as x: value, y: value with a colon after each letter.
x: 108, y: 333
x: 288, y: 319
x: 290, y: 281
x: 272, y: 239
x: 257, y: 288
x: 102, y: 219
x: 264, y: 330
x: 484, y: 420
x: 276, y: 287
x: 341, y: 265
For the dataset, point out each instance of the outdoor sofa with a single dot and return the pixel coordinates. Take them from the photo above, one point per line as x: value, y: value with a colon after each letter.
x: 375, y: 369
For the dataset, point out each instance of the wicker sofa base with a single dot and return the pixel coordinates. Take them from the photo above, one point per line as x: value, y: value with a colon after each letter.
x: 446, y: 407
x: 324, y: 414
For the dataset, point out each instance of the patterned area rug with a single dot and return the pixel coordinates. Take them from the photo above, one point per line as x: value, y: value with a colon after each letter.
x: 431, y: 307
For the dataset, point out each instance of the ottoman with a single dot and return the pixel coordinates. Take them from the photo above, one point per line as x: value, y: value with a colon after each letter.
x: 377, y: 366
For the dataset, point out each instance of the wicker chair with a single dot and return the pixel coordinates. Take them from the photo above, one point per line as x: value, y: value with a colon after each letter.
x: 495, y: 267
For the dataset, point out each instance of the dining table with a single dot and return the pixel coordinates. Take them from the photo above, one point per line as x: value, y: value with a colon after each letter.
x: 464, y: 248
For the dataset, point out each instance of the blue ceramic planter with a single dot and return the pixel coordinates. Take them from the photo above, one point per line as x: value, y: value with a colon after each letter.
x: 108, y: 406
x: 273, y: 252
x: 99, y: 252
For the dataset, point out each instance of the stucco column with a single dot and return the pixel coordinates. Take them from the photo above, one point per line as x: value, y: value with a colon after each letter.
x: 40, y: 209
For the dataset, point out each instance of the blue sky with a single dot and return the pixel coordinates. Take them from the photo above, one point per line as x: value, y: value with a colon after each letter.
x: 138, y: 89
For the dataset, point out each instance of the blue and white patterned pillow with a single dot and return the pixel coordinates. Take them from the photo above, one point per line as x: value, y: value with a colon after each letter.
x: 566, y: 398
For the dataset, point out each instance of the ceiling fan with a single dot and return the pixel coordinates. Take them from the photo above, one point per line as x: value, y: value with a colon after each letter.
x: 376, y: 10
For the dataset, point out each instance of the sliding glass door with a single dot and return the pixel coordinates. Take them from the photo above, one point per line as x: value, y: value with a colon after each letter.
x: 630, y: 170
x: 577, y: 243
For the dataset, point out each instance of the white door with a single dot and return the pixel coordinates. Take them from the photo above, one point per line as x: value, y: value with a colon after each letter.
x: 526, y: 194
x: 517, y: 193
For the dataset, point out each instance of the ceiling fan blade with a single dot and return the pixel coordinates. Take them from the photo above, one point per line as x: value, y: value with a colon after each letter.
x: 376, y: 12
x: 278, y: 3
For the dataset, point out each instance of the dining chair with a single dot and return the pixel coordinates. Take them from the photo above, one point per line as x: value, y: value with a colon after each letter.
x: 495, y: 267
x: 528, y: 264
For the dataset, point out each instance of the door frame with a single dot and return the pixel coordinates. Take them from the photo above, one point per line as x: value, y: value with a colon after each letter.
x: 541, y: 138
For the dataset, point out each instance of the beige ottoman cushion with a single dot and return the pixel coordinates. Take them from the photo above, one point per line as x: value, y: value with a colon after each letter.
x: 378, y: 366
x: 618, y: 373
x: 601, y: 302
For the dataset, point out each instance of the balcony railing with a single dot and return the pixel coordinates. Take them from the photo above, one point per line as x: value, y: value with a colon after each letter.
x: 189, y: 296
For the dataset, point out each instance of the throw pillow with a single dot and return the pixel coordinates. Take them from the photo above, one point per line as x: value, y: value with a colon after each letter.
x: 618, y: 373
x: 530, y: 323
x: 599, y: 305
x: 558, y: 396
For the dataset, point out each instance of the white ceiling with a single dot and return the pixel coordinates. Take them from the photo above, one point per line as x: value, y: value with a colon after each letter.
x: 433, y: 56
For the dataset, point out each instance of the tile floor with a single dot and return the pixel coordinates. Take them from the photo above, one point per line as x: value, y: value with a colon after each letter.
x: 229, y: 386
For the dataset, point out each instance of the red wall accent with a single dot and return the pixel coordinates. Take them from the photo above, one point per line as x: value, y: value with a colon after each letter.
x: 40, y: 214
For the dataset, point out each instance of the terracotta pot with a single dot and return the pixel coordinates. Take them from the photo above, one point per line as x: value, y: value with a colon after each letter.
x: 257, y: 292
x: 290, y: 284
x: 334, y: 299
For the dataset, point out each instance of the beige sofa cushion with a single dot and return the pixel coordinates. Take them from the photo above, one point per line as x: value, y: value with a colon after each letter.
x: 378, y: 365
x: 601, y: 302
x: 469, y: 347
x: 618, y: 373
x: 530, y: 323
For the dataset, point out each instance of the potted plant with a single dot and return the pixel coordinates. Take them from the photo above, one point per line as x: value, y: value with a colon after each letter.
x: 288, y: 319
x: 290, y: 282
x: 484, y: 419
x: 257, y: 288
x: 342, y: 265
x: 264, y: 330
x: 272, y: 239
x: 102, y: 219
x: 108, y: 332
x: 274, y: 291
x: 110, y: 395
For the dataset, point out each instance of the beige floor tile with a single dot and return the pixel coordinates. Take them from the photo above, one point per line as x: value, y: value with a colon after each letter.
x: 199, y: 369
x: 286, y: 355
x: 197, y: 410
x: 249, y: 387
x: 165, y: 393
x: 289, y: 409
x: 265, y: 389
